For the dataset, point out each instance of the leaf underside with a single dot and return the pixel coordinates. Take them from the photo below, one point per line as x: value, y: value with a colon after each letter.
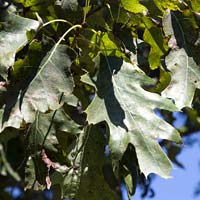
x: 128, y: 110
x: 42, y: 92
x: 182, y: 61
x: 13, y: 38
x: 185, y: 79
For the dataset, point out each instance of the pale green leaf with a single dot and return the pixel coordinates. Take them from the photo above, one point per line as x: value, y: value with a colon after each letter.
x: 11, y: 116
x: 12, y: 38
x: 128, y: 110
x: 68, y: 4
x: 183, y: 59
x: 185, y: 78
x: 51, y: 80
x: 42, y: 91
x: 180, y: 26
x: 86, y: 79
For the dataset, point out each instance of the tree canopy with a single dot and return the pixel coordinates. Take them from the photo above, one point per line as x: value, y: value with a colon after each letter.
x: 88, y: 89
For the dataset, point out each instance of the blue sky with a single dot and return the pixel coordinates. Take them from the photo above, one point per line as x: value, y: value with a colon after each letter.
x: 184, y: 181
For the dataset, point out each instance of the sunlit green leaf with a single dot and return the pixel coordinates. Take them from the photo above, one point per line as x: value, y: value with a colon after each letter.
x: 153, y: 36
x: 133, y: 6
x: 195, y: 5
x: 29, y: 3
x: 168, y: 4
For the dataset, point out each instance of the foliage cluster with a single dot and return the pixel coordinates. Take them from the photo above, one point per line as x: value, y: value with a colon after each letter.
x: 80, y: 84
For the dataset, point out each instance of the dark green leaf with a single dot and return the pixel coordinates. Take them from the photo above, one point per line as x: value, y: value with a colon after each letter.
x: 92, y: 185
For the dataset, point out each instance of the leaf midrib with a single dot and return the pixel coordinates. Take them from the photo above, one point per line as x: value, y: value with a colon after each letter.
x: 127, y: 110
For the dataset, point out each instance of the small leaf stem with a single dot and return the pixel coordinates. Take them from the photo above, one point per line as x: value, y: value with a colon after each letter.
x: 51, y: 123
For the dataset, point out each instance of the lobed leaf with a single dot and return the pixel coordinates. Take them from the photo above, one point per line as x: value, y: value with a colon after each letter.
x: 182, y: 60
x: 185, y: 78
x: 128, y: 110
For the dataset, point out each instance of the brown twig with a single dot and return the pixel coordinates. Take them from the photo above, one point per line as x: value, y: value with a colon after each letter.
x: 48, y: 164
